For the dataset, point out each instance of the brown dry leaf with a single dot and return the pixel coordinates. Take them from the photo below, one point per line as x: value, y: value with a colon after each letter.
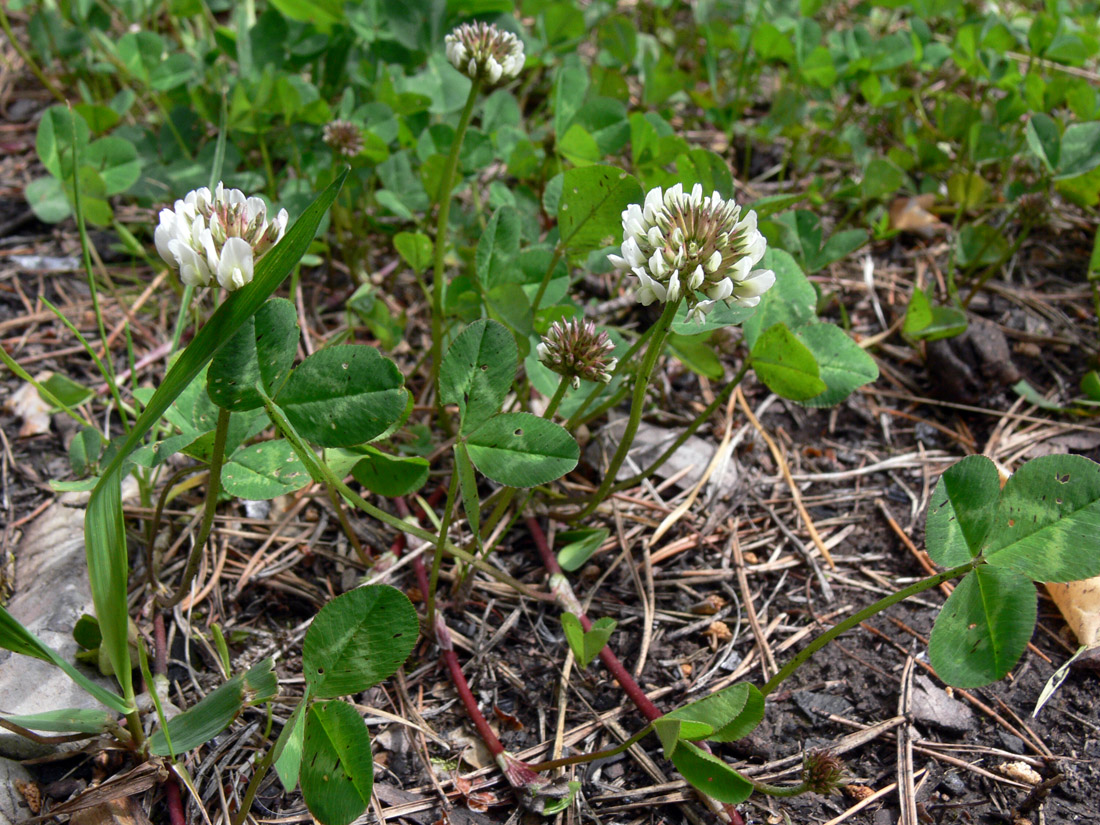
x: 110, y: 802
x: 31, y: 793
x: 910, y: 214
x: 718, y: 632
x: 858, y: 792
x: 26, y: 403
x: 123, y: 811
x: 708, y: 606
x: 1080, y: 606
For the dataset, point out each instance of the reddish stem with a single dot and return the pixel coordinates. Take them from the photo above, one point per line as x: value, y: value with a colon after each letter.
x: 609, y: 659
x: 443, y: 639
x: 568, y: 601
x: 450, y: 658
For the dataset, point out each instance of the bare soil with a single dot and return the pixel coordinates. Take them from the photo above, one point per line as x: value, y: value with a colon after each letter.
x: 864, y: 472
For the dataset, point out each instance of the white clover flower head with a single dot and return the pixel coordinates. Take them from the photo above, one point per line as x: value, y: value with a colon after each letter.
x: 683, y: 245
x: 574, y: 350
x: 481, y: 50
x: 343, y: 137
x: 219, y: 234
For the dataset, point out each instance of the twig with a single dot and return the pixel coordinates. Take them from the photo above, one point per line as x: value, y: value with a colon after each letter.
x: 795, y: 494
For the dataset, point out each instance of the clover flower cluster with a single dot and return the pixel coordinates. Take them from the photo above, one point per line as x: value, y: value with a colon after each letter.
x: 575, y: 350
x: 217, y: 235
x: 481, y: 50
x: 681, y: 244
x: 343, y: 137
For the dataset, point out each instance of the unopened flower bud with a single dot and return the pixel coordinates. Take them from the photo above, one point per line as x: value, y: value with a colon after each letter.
x: 574, y: 350
x: 343, y: 137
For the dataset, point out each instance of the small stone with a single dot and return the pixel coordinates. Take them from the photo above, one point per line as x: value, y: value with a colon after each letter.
x: 933, y: 706
x: 1013, y: 744
x: 816, y: 705
x: 51, y: 593
x: 953, y: 784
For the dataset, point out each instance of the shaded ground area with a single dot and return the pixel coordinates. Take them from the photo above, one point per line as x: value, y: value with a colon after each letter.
x: 864, y: 473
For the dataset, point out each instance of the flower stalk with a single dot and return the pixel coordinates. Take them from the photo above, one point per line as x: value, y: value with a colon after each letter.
x: 443, y: 216
x: 641, y: 384
x: 213, y: 490
x: 862, y: 616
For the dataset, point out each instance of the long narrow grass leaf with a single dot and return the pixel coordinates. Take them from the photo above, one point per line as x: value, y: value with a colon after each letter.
x: 16, y: 638
x: 105, y: 534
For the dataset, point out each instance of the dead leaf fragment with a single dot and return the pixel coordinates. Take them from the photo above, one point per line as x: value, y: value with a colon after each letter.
x: 858, y: 792
x: 27, y: 404
x: 717, y: 633
x: 31, y: 793
x: 1080, y: 606
x: 1021, y: 772
x: 708, y: 606
x: 910, y: 214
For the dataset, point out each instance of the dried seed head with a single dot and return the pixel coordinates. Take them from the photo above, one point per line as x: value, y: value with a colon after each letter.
x: 217, y: 235
x: 343, y: 137
x: 481, y: 50
x: 680, y: 245
x: 822, y: 771
x: 574, y: 350
x: 1034, y: 209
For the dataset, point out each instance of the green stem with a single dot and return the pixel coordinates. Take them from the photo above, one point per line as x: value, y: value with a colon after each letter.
x: 620, y: 368
x: 862, y: 616
x: 687, y: 433
x: 546, y: 278
x: 437, y: 560
x: 85, y: 248
x: 592, y: 757
x: 345, y: 525
x: 27, y: 59
x: 213, y: 490
x: 262, y: 767
x: 556, y: 399
x: 444, y: 197
x: 779, y: 790
x: 323, y: 473
x: 181, y: 316
x: 509, y: 494
x: 641, y: 384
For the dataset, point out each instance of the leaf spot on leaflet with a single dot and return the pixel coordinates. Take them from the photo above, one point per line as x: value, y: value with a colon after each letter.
x: 320, y: 671
x: 344, y: 365
x: 484, y: 367
x: 518, y: 432
x: 1012, y: 522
